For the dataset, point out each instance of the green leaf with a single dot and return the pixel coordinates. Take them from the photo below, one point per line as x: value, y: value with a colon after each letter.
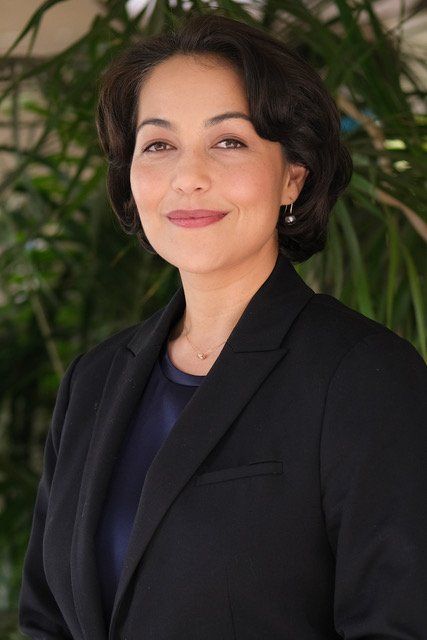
x: 358, y: 270
x: 417, y: 300
x: 33, y: 23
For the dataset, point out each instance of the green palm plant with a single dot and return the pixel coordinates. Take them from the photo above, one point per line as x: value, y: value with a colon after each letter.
x: 68, y: 277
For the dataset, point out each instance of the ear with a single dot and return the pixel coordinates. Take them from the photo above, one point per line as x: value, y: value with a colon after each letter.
x: 294, y: 182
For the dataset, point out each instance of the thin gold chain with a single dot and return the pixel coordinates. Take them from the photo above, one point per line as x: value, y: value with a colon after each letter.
x: 202, y: 354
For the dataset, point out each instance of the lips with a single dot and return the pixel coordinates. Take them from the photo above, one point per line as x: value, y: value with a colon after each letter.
x: 185, y: 214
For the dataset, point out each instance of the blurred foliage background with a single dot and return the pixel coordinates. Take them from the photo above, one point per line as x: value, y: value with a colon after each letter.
x: 69, y: 277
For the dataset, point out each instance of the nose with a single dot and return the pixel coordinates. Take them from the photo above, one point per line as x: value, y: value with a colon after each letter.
x: 191, y: 173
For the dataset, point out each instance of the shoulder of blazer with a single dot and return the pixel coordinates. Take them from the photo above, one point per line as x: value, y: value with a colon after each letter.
x: 99, y: 357
x: 329, y: 310
x: 326, y: 316
x: 328, y: 329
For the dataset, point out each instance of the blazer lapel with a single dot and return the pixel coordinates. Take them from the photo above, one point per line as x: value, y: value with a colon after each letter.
x: 126, y: 379
x: 252, y: 350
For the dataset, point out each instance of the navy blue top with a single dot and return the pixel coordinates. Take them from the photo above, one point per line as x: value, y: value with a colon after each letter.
x: 167, y: 392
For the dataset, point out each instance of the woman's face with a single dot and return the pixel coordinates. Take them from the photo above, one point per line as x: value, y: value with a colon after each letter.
x: 190, y: 164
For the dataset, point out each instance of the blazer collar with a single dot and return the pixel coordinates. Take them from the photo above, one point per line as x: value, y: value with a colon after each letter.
x: 251, y: 352
x: 261, y: 327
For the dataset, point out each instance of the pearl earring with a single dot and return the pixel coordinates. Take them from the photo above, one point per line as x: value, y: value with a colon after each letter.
x: 289, y: 219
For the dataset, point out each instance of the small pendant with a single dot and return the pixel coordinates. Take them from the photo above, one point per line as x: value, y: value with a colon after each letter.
x: 202, y: 356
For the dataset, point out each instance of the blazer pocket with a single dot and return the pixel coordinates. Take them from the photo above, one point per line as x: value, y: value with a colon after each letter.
x: 266, y: 467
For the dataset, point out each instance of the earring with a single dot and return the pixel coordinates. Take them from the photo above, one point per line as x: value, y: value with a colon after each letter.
x: 289, y: 219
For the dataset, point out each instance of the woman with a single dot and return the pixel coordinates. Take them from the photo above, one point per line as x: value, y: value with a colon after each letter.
x: 250, y: 461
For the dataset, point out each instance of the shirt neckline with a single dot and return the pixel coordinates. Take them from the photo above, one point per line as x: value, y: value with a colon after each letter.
x: 174, y: 374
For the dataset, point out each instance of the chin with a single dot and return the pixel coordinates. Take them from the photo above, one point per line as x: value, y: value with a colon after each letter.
x: 196, y: 261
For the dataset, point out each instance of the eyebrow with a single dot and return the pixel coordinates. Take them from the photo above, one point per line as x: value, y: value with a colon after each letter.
x: 210, y: 122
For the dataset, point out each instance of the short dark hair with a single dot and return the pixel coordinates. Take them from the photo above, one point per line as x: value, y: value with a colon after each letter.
x: 288, y: 103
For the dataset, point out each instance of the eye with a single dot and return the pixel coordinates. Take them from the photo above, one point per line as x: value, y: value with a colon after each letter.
x: 233, y: 140
x: 146, y: 150
x: 152, y: 145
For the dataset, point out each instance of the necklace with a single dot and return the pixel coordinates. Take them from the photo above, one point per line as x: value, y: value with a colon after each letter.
x: 203, y: 354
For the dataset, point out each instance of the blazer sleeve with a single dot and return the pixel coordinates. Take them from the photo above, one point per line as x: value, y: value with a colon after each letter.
x: 373, y: 467
x: 39, y: 615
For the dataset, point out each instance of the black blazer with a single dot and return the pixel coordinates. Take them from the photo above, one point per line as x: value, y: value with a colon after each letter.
x: 287, y: 503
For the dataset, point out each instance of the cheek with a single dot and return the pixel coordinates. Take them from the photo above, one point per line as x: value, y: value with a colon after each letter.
x: 141, y: 184
x: 257, y: 192
x: 135, y: 182
x: 251, y: 183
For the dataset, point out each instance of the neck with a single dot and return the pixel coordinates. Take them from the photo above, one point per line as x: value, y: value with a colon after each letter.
x: 216, y: 300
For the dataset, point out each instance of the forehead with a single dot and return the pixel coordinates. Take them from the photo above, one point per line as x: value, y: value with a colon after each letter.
x: 186, y: 83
